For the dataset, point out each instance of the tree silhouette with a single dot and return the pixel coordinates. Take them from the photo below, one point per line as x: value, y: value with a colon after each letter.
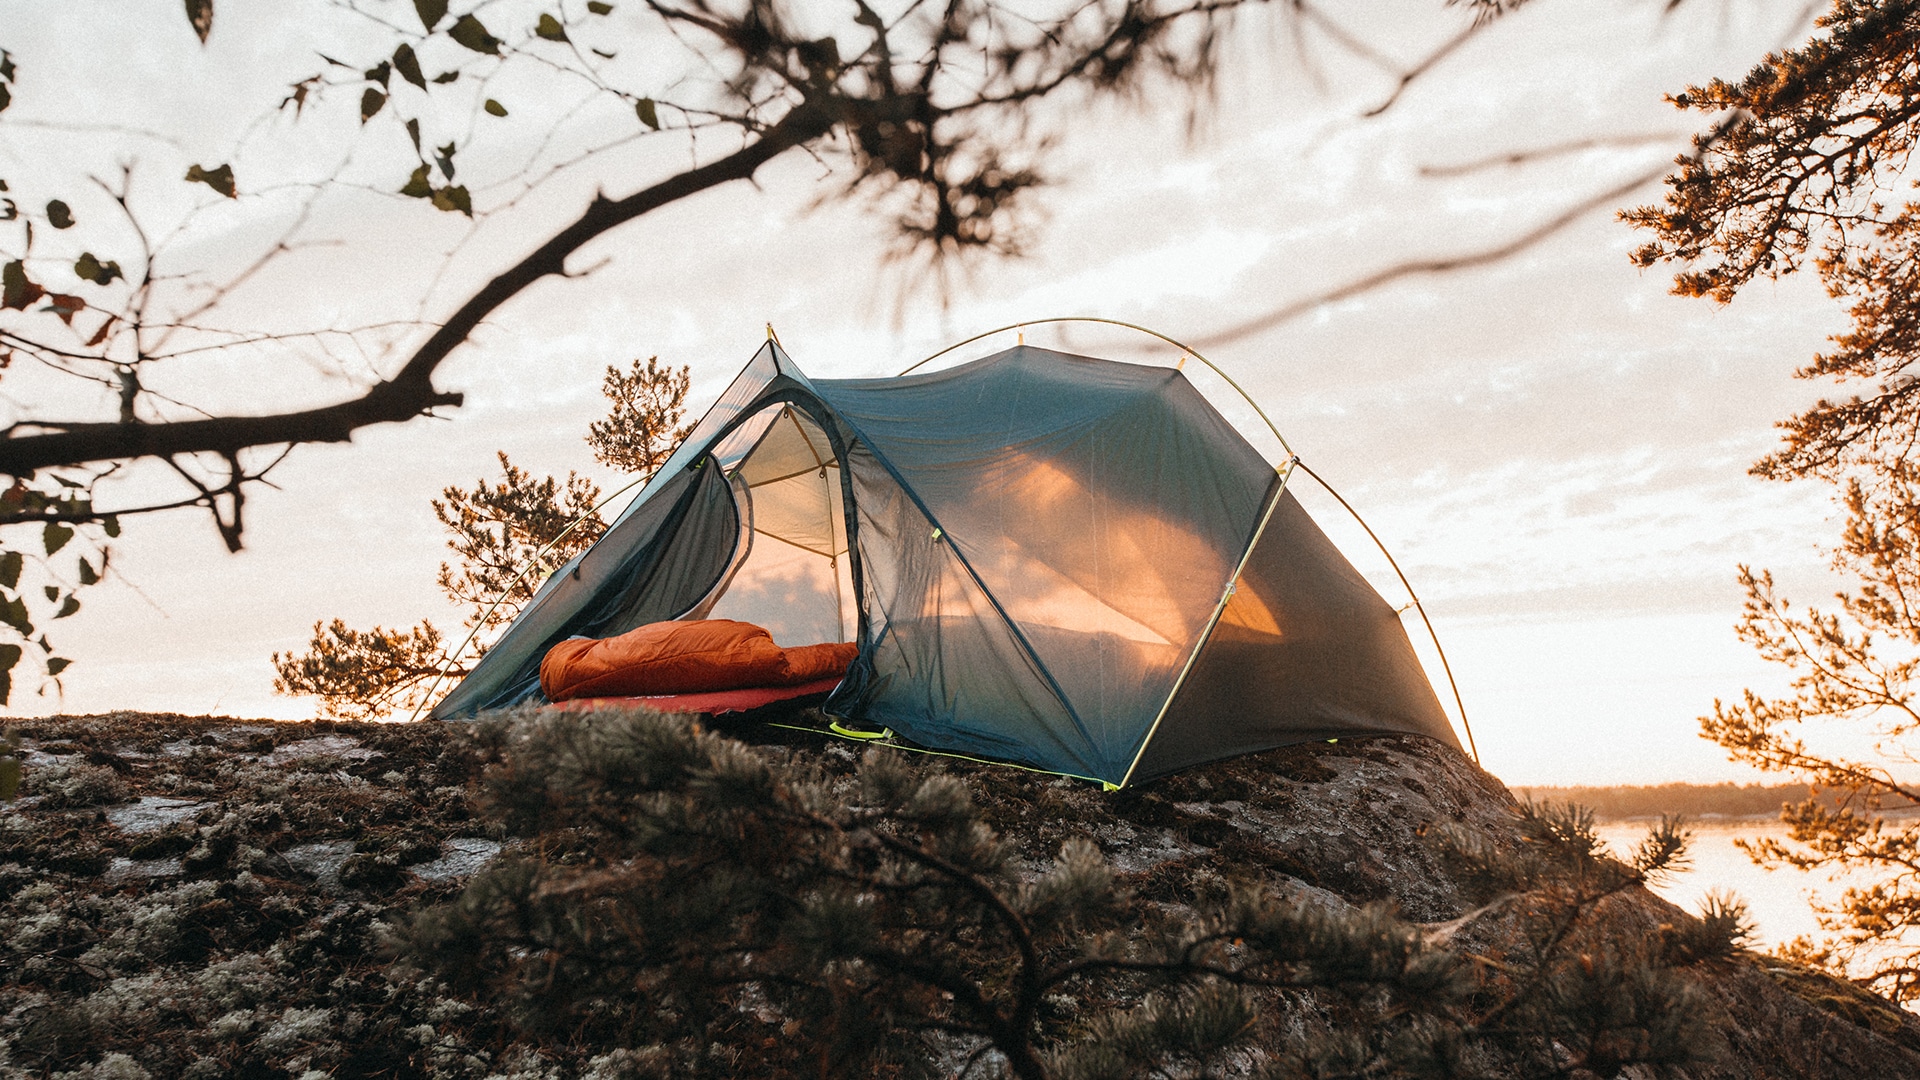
x: 937, y: 118
x: 1809, y: 170
x: 506, y: 538
x: 935, y: 112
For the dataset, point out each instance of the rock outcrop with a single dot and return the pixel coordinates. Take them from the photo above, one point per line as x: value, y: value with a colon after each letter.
x: 202, y: 897
x: 1348, y: 822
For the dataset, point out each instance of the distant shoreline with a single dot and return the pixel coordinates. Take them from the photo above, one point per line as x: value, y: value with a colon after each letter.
x: 1699, y: 803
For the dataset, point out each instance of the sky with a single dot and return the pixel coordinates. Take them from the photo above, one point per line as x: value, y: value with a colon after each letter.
x: 1553, y: 446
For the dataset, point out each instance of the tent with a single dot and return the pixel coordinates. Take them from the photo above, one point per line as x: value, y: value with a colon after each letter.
x: 1071, y: 564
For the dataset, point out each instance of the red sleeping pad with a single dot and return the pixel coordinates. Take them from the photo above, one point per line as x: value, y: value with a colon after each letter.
x: 714, y: 703
x: 703, y: 665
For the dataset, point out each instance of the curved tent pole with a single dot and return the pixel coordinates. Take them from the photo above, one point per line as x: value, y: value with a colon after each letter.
x: 532, y: 561
x: 1248, y: 398
x: 1422, y: 608
x: 1181, y: 345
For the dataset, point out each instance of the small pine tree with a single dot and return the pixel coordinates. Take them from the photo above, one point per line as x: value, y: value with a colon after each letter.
x: 1566, y: 991
x: 506, y: 537
x: 1799, y: 177
x: 722, y: 913
x: 363, y: 674
x: 644, y: 424
x: 1858, y: 663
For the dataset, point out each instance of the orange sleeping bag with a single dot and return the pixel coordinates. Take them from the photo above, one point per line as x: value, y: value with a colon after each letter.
x: 692, y: 657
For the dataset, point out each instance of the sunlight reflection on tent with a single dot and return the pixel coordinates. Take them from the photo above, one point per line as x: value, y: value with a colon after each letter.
x: 1081, y: 560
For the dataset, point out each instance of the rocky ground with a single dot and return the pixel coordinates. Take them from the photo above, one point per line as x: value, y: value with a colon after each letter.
x: 208, y: 897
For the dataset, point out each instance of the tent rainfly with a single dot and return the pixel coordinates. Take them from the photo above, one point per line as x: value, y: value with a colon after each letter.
x: 1070, y: 564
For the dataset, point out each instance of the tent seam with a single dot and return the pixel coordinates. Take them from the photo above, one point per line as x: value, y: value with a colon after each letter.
x: 1213, y: 621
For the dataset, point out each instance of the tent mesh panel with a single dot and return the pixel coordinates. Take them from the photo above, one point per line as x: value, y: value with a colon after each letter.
x: 1102, y: 507
x: 943, y: 667
x: 1304, y: 650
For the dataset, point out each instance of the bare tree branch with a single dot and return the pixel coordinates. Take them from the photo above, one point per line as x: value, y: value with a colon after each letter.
x: 1431, y: 61
x: 410, y: 392
x: 1554, y: 150
x: 1468, y: 260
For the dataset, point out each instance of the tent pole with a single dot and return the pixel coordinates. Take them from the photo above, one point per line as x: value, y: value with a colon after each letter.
x: 1188, y: 349
x: 826, y: 490
x: 1213, y: 620
x: 1422, y: 608
x: 833, y: 561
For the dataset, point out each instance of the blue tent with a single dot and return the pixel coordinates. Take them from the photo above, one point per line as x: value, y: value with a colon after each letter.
x: 1056, y: 561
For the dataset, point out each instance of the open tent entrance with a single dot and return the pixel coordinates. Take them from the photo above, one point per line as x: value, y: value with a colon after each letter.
x: 790, y: 569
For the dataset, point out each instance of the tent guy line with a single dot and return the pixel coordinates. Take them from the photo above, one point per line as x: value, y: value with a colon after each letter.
x: 507, y: 590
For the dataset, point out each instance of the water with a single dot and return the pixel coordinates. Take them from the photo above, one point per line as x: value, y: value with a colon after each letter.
x: 1778, y: 899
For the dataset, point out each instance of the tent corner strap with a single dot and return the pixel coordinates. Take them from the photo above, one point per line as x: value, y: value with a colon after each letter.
x: 1200, y: 712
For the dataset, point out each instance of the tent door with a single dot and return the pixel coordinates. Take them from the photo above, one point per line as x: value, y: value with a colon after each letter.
x: 742, y: 548
x: 791, y: 573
